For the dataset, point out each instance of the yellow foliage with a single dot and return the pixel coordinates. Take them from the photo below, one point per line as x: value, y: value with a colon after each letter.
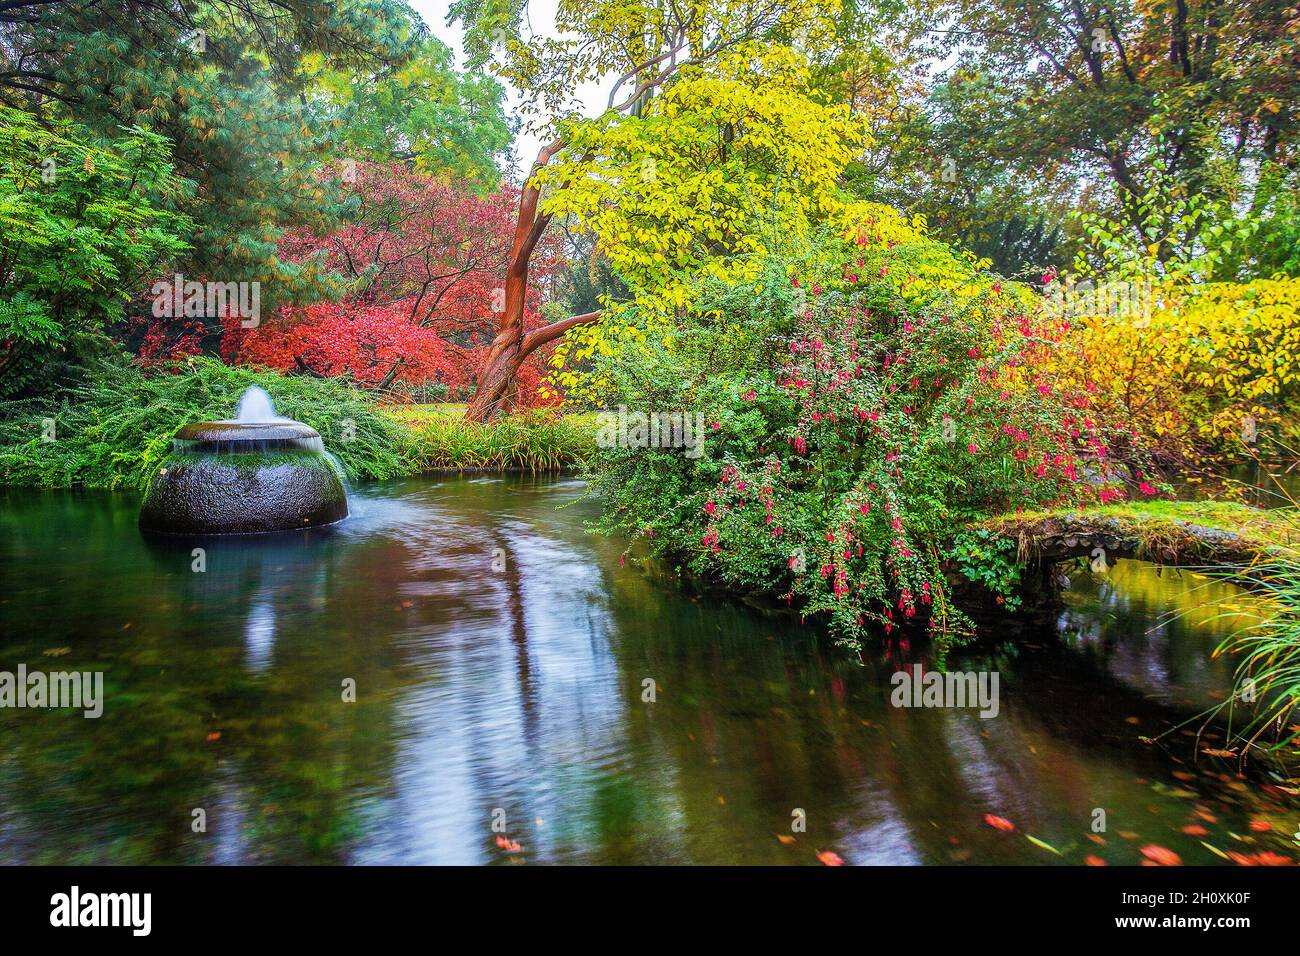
x: 1198, y: 365
x: 729, y: 164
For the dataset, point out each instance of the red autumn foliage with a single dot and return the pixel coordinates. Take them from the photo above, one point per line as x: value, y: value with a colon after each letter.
x: 424, y: 262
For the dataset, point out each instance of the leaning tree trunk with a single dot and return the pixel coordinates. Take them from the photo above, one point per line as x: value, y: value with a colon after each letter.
x: 511, y: 347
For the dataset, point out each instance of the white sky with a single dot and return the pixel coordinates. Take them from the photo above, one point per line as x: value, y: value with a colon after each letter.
x: 541, y: 20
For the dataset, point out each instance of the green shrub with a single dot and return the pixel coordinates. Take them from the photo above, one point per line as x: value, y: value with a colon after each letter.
x: 81, y: 227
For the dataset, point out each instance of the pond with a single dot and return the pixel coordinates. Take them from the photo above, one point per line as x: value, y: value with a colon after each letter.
x: 500, y: 655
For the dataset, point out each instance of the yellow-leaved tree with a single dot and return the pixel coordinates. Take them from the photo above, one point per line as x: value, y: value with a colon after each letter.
x: 711, y: 130
x: 729, y: 164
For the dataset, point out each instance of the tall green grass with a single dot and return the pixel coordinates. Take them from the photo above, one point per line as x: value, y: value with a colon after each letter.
x: 1262, y: 710
x: 535, y: 441
x: 114, y: 429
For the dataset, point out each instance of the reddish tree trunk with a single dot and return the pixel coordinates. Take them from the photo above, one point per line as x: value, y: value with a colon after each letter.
x: 496, y: 383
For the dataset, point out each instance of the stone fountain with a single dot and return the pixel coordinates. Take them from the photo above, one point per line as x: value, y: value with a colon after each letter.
x: 255, y: 473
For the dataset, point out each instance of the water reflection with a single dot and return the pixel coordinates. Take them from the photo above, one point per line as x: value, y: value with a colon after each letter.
x: 499, y: 653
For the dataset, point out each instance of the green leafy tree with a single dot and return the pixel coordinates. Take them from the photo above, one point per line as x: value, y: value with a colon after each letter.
x: 648, y: 47
x: 223, y: 82
x: 422, y: 112
x: 1118, y: 86
x: 79, y: 232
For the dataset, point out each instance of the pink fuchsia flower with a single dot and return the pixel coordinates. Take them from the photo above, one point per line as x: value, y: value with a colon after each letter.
x: 972, y: 448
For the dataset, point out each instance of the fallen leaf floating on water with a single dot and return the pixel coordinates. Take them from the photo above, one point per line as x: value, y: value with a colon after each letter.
x: 1091, y: 860
x: 1260, y: 826
x: 1039, y: 843
x: 830, y: 858
x: 785, y: 838
x: 1262, y: 858
x: 510, y: 846
x: 1215, y: 850
x: 1160, y: 856
x: 215, y: 735
x: 999, y: 823
x: 1195, y: 829
x: 57, y: 651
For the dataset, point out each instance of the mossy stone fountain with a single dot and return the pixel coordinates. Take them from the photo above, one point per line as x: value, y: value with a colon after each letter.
x: 255, y: 473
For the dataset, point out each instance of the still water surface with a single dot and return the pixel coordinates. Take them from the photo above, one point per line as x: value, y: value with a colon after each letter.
x: 520, y: 690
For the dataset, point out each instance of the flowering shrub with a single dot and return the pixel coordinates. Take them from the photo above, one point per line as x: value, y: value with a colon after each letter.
x: 859, y: 414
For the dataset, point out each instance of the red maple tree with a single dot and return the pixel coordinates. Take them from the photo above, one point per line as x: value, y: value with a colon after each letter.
x: 424, y: 265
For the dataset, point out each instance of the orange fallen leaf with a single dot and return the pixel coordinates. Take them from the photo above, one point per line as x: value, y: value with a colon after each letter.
x: 999, y: 823
x: 1160, y: 856
x: 215, y: 735
x: 1094, y: 860
x: 785, y: 838
x: 510, y: 846
x: 1195, y: 829
x: 830, y: 858
x: 1097, y: 838
x: 1263, y: 858
x: 1260, y: 826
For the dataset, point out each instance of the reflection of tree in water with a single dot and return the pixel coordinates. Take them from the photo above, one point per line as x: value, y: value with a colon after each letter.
x: 521, y: 689
x: 1156, y: 628
x: 779, y: 722
x: 291, y: 760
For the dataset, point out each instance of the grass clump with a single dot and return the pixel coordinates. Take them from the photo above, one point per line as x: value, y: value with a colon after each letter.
x: 1268, y: 674
x: 533, y: 441
x: 113, y: 429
